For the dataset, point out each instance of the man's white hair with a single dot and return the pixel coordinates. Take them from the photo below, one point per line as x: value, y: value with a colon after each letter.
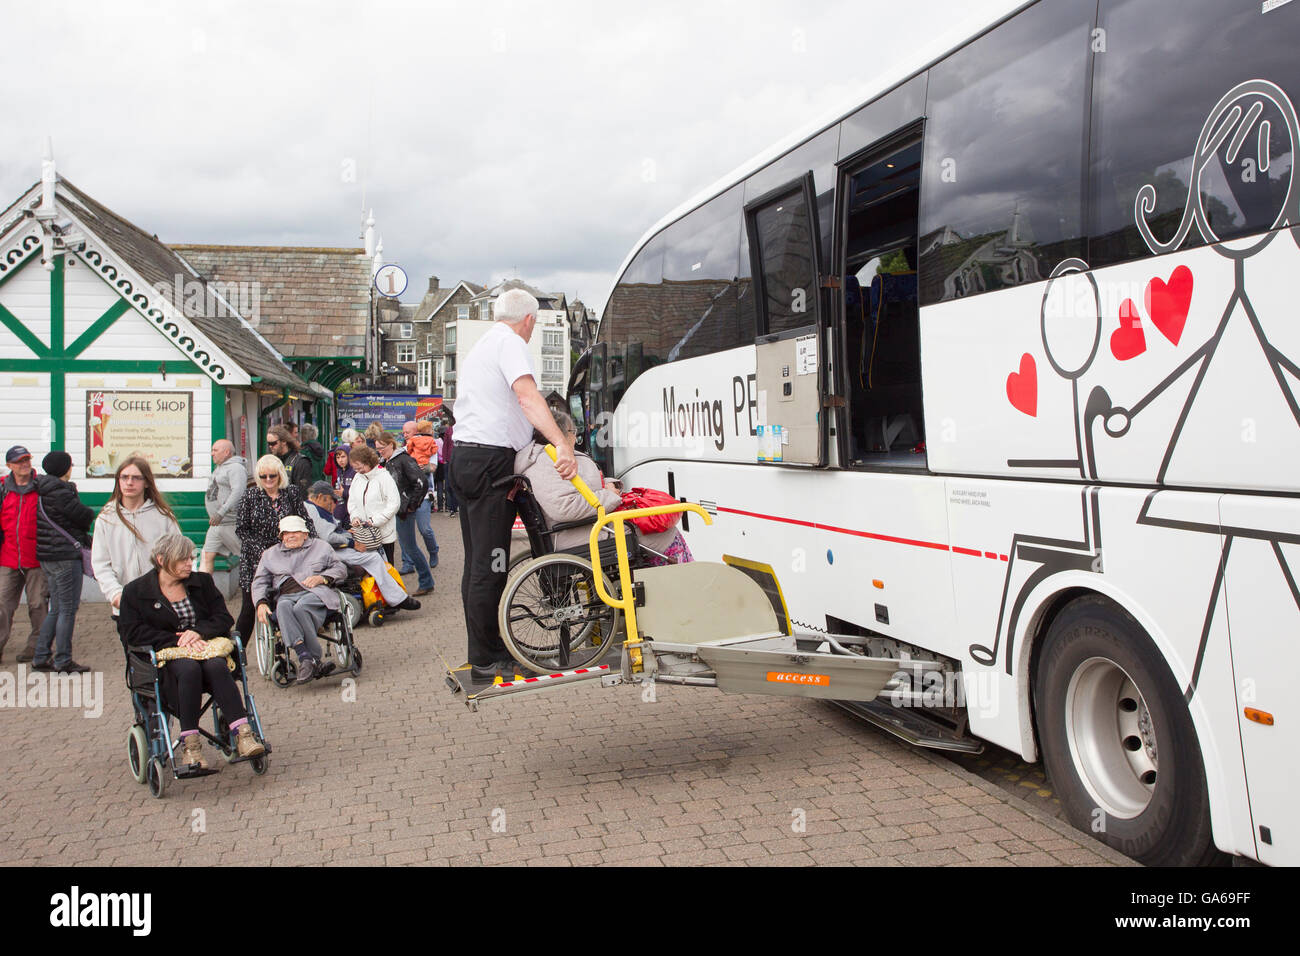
x: 513, y: 305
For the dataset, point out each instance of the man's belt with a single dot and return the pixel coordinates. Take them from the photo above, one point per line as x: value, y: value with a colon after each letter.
x: 474, y: 444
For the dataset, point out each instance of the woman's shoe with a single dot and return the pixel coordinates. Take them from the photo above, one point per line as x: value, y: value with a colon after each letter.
x: 192, y: 754
x: 246, y: 744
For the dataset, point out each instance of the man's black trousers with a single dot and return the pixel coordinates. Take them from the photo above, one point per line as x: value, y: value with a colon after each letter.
x: 486, y: 517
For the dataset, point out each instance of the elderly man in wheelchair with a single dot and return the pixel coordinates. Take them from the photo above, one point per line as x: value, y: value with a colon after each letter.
x: 297, y: 577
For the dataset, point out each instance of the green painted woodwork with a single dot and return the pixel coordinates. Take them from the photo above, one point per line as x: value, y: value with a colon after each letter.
x: 10, y: 321
x: 218, y: 412
x: 58, y: 401
x: 56, y: 307
x: 92, y: 366
x: 97, y: 328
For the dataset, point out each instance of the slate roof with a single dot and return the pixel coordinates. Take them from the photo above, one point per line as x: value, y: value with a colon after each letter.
x: 159, y: 266
x: 314, y: 303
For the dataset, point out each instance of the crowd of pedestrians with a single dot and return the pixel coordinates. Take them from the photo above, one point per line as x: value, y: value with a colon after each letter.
x: 360, y: 498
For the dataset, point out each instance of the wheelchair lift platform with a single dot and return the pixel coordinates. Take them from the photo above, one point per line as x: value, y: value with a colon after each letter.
x: 723, y: 625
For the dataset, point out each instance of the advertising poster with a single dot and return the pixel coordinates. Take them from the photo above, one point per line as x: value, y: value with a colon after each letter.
x: 390, y: 409
x: 157, y: 426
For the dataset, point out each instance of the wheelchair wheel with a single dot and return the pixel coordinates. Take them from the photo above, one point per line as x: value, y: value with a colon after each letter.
x: 157, y: 775
x: 258, y: 764
x: 375, y: 618
x: 283, y: 673
x: 356, y: 662
x: 264, y: 639
x: 551, y: 617
x: 137, y: 753
x: 352, y: 610
x: 342, y: 655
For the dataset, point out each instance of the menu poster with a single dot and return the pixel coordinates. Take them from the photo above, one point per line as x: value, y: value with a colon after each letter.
x: 157, y: 426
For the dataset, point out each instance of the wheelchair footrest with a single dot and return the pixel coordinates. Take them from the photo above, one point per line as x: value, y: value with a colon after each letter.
x: 185, y: 772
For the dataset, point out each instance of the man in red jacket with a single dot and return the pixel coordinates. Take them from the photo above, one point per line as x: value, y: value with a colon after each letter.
x: 19, y: 568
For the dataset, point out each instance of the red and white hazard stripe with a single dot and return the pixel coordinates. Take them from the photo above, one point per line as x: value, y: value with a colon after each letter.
x: 541, y: 678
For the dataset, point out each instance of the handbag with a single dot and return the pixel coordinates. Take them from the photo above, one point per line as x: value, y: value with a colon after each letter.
x: 368, y: 534
x: 650, y: 498
x: 87, y: 566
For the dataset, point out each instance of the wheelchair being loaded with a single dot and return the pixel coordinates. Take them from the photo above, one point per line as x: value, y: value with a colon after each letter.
x: 150, y: 747
x: 703, y: 623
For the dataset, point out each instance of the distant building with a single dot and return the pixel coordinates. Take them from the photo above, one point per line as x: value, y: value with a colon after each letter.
x: 549, y: 346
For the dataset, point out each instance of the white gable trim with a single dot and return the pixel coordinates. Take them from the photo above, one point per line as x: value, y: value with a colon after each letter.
x: 146, y: 300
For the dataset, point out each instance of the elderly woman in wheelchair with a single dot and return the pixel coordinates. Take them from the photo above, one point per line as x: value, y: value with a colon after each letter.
x: 299, y: 576
x: 180, y: 615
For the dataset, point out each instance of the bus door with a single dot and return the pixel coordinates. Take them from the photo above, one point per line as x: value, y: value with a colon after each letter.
x: 790, y: 348
x: 876, y: 253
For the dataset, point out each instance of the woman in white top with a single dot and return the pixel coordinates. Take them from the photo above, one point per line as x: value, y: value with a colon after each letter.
x: 374, y: 498
x: 135, y: 516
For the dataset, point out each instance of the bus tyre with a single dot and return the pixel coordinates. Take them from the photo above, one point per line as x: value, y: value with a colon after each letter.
x: 1117, y: 739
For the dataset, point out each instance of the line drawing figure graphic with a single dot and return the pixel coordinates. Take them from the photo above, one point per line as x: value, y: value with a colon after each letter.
x: 1234, y: 125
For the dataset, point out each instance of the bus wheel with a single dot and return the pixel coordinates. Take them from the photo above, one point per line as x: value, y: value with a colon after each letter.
x: 1118, y: 741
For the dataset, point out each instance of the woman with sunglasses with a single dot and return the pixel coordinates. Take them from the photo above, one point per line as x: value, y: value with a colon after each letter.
x: 135, y: 516
x: 258, y: 527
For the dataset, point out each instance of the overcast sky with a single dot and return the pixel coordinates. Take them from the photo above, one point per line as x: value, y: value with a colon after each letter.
x: 491, y: 138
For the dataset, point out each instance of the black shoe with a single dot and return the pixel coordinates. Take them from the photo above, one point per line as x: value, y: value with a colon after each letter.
x: 72, y: 667
x: 47, y: 666
x: 423, y: 591
x: 483, y: 675
x: 511, y: 668
x: 326, y: 668
x: 25, y: 657
x: 410, y: 604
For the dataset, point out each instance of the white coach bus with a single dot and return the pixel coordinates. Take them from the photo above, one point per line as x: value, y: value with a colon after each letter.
x: 999, y: 370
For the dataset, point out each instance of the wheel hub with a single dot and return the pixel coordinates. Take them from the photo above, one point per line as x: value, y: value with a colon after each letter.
x: 1112, y: 737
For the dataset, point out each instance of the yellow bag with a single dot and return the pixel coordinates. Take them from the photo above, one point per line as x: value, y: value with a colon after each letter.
x: 216, y: 647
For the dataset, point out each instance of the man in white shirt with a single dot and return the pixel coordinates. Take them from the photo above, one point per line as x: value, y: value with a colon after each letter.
x: 498, y: 405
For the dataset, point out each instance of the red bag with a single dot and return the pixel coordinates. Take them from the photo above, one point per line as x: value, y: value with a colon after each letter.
x: 650, y: 498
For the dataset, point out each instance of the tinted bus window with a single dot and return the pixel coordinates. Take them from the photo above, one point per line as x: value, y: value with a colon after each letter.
x: 818, y: 156
x: 1167, y: 65
x: 634, y: 318
x: 1002, y: 196
x: 785, y: 259
x: 893, y: 111
x: 701, y: 265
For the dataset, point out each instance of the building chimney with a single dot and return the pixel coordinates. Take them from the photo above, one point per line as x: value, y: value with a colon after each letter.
x: 433, y: 283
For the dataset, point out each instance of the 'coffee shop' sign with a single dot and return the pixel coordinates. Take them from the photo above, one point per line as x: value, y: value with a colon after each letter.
x: 157, y: 426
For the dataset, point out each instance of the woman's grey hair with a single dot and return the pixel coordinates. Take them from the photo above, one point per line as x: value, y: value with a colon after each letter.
x: 513, y: 305
x: 308, y: 432
x: 564, y: 422
x: 171, y: 549
x: 348, y: 436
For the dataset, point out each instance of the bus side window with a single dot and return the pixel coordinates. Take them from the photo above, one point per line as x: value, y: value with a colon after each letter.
x: 1150, y: 101
x: 701, y: 265
x: 635, y: 319
x: 1002, y: 199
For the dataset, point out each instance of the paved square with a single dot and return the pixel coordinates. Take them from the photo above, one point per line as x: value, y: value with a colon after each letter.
x: 404, y: 773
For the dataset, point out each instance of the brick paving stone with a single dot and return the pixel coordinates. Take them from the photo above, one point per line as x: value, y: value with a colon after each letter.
x: 406, y: 775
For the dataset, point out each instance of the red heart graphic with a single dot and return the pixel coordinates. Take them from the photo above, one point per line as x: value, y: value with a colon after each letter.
x: 1167, y: 303
x: 1022, y: 387
x: 1128, y: 341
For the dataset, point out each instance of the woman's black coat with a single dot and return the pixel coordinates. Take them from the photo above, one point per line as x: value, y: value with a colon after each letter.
x: 148, y: 619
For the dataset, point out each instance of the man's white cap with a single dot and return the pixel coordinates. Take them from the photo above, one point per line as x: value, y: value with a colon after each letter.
x: 293, y: 523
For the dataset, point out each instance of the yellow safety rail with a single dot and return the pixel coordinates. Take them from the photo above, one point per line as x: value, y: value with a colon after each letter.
x: 627, y: 603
